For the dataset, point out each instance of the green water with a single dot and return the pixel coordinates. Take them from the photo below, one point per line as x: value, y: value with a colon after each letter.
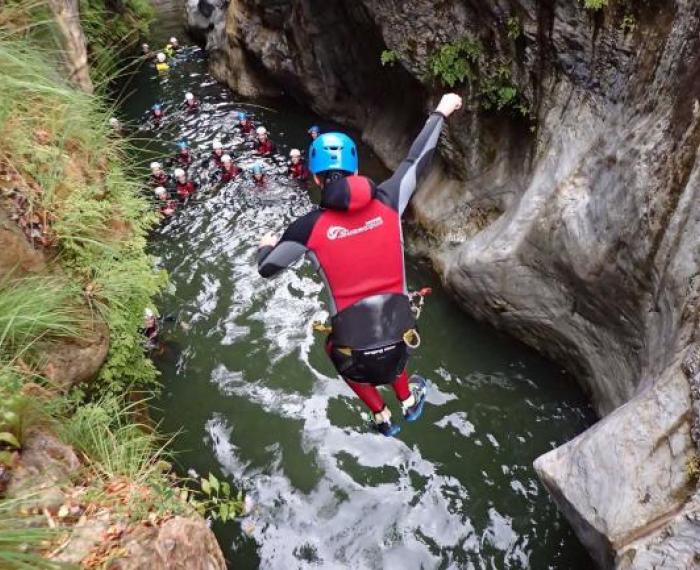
x: 247, y: 385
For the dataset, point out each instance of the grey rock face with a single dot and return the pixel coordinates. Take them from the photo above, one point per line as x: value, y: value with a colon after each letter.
x: 575, y: 229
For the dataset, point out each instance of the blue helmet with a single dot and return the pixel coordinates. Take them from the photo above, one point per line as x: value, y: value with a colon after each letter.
x: 183, y: 144
x: 314, y: 129
x: 333, y: 151
x: 257, y: 168
x: 242, y: 116
x: 156, y: 107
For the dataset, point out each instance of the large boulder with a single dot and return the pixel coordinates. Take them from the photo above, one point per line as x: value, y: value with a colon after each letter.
x: 179, y: 544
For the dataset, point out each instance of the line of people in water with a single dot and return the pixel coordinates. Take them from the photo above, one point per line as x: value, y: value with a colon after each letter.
x: 172, y: 190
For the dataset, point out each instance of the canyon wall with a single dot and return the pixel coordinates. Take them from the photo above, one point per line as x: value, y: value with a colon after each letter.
x: 563, y: 209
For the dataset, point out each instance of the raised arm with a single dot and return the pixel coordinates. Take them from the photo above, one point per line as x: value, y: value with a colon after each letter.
x: 398, y: 189
x: 274, y: 256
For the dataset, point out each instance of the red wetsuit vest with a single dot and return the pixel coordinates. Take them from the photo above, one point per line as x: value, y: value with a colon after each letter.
x: 185, y: 190
x: 228, y: 175
x: 265, y: 148
x: 298, y: 170
x: 159, y: 179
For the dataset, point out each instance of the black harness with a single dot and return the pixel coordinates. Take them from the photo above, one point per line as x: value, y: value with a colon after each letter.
x: 367, y: 343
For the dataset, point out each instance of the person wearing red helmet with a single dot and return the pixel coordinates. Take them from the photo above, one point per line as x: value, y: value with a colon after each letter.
x: 355, y: 239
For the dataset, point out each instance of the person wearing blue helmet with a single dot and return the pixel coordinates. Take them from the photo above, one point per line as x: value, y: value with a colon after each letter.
x: 245, y: 125
x: 314, y: 132
x: 184, y: 155
x: 157, y: 113
x: 258, y: 174
x: 355, y: 239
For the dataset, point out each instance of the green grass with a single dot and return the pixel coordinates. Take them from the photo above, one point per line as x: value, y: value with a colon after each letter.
x: 58, y: 139
x: 35, y: 308
x: 23, y: 538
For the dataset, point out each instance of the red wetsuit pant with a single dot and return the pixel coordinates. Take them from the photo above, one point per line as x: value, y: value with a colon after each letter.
x: 370, y: 395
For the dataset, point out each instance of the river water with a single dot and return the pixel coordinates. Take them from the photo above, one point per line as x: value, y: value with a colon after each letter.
x: 255, y: 401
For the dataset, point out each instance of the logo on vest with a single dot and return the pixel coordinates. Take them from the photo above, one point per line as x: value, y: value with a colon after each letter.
x: 339, y: 232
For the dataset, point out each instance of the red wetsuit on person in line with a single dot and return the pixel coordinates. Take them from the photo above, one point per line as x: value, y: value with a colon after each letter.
x: 160, y: 179
x: 265, y: 148
x: 247, y: 127
x: 298, y: 170
x: 185, y: 189
x: 168, y: 207
x: 184, y: 157
x: 216, y: 157
x: 355, y: 239
x: 228, y: 174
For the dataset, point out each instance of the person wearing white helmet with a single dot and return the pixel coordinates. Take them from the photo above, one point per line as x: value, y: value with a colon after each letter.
x: 158, y: 176
x: 116, y: 125
x: 150, y: 327
x: 166, y: 206
x: 172, y: 47
x: 161, y: 63
x: 263, y: 145
x: 191, y: 103
x: 217, y: 152
x: 297, y: 168
x: 229, y: 170
x: 183, y: 186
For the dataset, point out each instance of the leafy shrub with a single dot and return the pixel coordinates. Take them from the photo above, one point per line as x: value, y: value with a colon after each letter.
x: 595, y: 4
x: 455, y: 62
x: 513, y: 28
x: 389, y: 57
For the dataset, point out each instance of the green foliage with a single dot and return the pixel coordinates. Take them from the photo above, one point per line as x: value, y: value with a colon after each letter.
x: 498, y: 92
x: 23, y: 538
x: 465, y: 61
x: 455, y: 62
x: 595, y: 5
x: 33, y: 308
x: 114, y: 443
x: 110, y: 32
x: 389, y: 57
x: 99, y: 218
x: 513, y: 28
x: 217, y: 500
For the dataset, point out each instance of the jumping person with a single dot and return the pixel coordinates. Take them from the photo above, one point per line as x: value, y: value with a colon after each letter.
x: 355, y: 238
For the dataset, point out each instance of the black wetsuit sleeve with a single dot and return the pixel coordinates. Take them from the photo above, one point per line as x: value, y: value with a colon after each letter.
x: 397, y: 190
x: 291, y: 247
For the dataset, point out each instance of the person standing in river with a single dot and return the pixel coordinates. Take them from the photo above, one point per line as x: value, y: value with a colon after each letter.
x: 355, y: 239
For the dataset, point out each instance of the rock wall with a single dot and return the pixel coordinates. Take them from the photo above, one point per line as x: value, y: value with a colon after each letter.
x: 574, y: 228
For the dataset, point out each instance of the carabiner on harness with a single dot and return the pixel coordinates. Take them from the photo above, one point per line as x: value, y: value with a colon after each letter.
x: 411, y: 338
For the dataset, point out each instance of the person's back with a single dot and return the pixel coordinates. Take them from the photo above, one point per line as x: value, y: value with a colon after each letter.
x: 355, y: 238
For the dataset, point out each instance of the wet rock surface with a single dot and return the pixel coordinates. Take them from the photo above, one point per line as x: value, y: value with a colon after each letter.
x: 575, y: 229
x: 179, y: 544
